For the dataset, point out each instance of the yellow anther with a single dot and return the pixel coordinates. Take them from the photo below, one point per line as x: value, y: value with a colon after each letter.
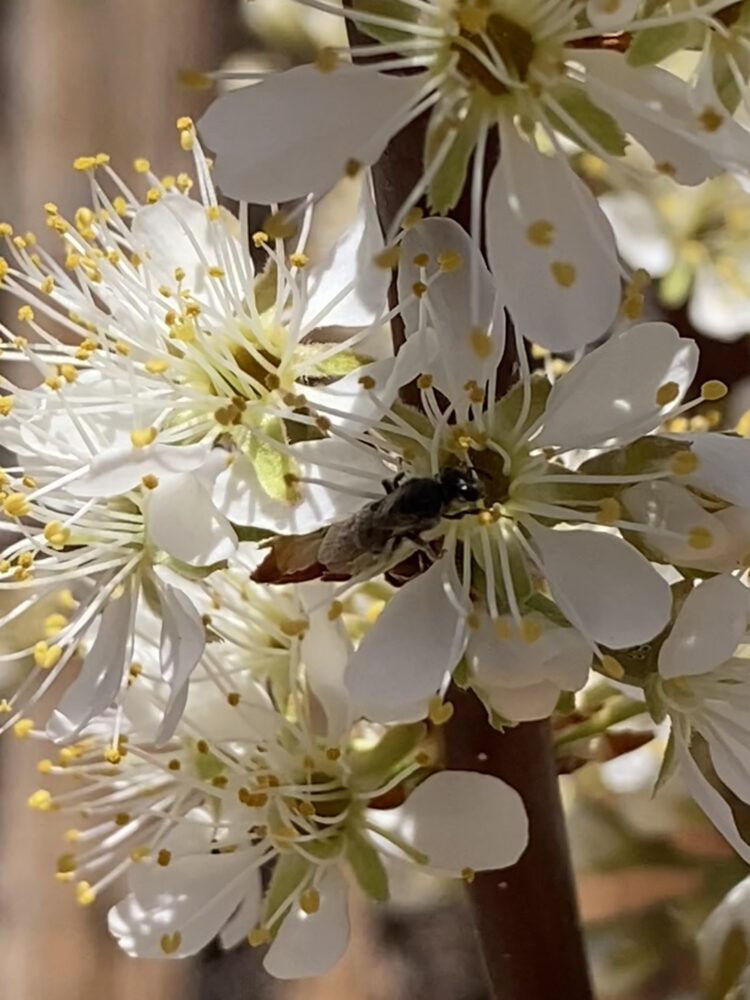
x: 174, y: 764
x: 421, y: 260
x: 412, y: 217
x: 327, y: 60
x: 710, y: 119
x: 213, y: 212
x: 112, y: 755
x: 260, y: 239
x: 101, y: 159
x: 169, y: 943
x: 388, y: 259
x: 44, y: 766
x: 47, y: 285
x: 16, y: 505
x: 309, y: 901
x: 69, y: 373
x: 216, y: 272
x: 163, y: 857
x: 563, y: 272
x: 335, y: 611
x: 153, y: 195
x: 294, y: 627
x: 612, y: 668
x: 540, y: 233
x: 258, y: 936
x: 194, y: 79
x: 46, y: 656
x: 141, y: 165
x: 149, y: 481
x: 84, y: 163
x: 66, y: 601
x: 529, y: 630
x: 135, y: 670
x: 481, y: 342
x: 5, y: 707
x: 449, y: 261
x: 299, y: 260
x: 683, y: 463
x: 439, y: 711
x: 610, y: 511
x: 419, y: 288
x: 26, y: 314
x: 184, y: 122
x: 333, y: 754
x: 85, y: 895
x: 6, y: 405
x: 468, y: 875
x: 156, y: 366
x: 66, y: 864
x: 202, y: 746
x: 234, y: 698
x: 143, y: 438
x: 139, y: 854
x: 187, y: 140
x: 72, y: 835
x: 424, y: 382
x: 120, y: 205
x: 367, y: 382
x: 54, y: 624
x: 667, y: 393
x: 41, y: 801
x: 713, y: 390
x: 700, y: 538
x: 23, y: 728
x: 352, y: 167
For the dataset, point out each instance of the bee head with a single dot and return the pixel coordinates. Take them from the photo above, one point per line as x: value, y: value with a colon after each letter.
x: 460, y: 484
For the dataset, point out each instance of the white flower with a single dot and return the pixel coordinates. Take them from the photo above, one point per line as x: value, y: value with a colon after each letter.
x: 245, y: 783
x: 533, y: 72
x: 694, y: 240
x: 705, y: 690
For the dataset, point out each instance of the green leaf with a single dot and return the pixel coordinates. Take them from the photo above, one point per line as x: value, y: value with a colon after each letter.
x: 594, y: 121
x: 653, y: 45
x: 289, y: 875
x: 393, y: 9
x: 370, y: 768
x: 448, y: 183
x: 271, y: 465
x: 368, y: 868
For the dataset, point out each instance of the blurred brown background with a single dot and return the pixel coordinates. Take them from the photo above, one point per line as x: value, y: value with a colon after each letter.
x: 83, y: 76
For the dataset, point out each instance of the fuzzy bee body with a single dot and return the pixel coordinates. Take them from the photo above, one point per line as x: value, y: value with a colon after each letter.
x: 409, y: 508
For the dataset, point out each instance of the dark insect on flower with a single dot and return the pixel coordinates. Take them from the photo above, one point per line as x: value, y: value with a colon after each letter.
x: 372, y: 536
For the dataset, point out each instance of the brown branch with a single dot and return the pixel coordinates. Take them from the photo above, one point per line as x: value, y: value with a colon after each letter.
x: 526, y: 916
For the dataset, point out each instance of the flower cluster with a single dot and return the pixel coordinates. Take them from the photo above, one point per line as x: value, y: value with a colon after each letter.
x: 266, y: 549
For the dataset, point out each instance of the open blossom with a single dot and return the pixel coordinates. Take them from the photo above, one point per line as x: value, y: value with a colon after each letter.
x: 155, y: 401
x: 248, y: 784
x: 703, y: 687
x: 533, y: 73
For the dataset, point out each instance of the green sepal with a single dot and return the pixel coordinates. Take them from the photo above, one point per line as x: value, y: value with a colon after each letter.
x: 462, y: 675
x: 654, y: 700
x: 652, y: 45
x: 368, y: 868
x: 290, y: 874
x: 592, y: 120
x: 668, y: 765
x: 245, y: 533
x: 544, y: 606
x: 508, y: 409
x: 447, y: 184
x: 271, y: 465
x: 385, y: 8
x: 370, y: 768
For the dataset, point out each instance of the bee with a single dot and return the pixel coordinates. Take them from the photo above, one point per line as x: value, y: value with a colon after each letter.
x: 409, y: 508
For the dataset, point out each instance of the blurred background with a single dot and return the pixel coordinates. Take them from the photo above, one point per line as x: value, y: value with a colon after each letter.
x: 83, y: 76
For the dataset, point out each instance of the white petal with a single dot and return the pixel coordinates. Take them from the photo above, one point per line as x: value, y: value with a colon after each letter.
x: 641, y: 237
x: 121, y: 469
x: 653, y: 106
x: 192, y: 897
x: 723, y: 466
x: 280, y: 139
x: 718, y: 308
x: 311, y: 944
x: 183, y: 521
x: 619, y: 382
x: 247, y: 915
x: 352, y: 404
x: 464, y: 819
x: 603, y: 586
x: 325, y: 652
x: 551, y: 248
x: 336, y: 463
x: 708, y: 629
x: 524, y: 704
x: 176, y: 232
x: 98, y: 683
x: 667, y: 506
x: 605, y: 15
x: 350, y: 264
x: 183, y: 639
x: 403, y: 659
x: 448, y: 304
x: 710, y: 801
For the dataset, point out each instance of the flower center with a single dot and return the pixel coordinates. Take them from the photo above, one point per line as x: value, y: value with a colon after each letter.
x: 507, y: 46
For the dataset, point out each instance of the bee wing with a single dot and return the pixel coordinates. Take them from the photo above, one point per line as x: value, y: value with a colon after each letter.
x: 291, y: 559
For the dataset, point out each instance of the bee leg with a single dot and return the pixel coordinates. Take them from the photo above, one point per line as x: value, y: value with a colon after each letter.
x: 463, y: 513
x: 389, y: 485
